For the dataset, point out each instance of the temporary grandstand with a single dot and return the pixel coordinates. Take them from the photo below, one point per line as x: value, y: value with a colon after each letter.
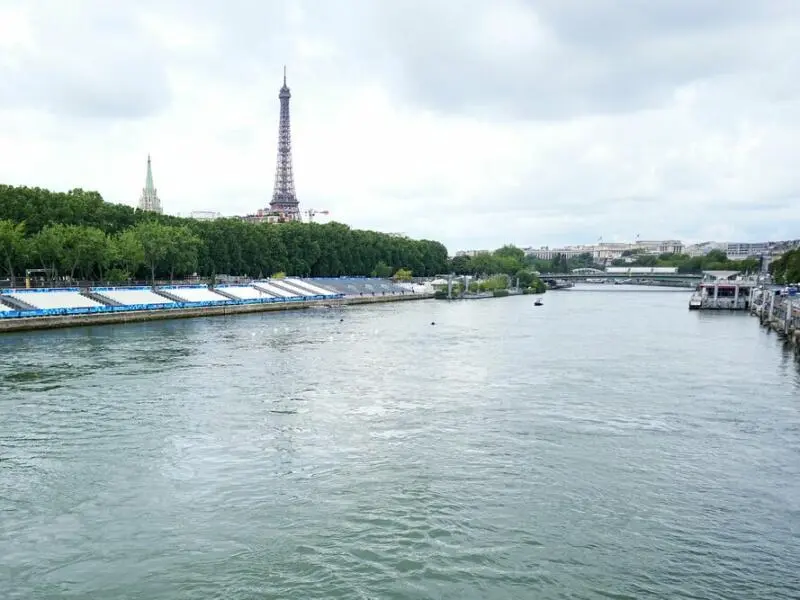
x: 366, y: 286
x: 17, y: 303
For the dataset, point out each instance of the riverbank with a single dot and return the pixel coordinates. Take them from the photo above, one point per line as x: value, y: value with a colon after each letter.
x: 134, y: 316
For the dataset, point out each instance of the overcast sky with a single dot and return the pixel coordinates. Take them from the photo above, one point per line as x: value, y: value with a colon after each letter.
x: 472, y: 122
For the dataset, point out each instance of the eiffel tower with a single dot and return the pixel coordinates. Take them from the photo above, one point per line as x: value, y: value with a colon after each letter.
x: 284, y: 198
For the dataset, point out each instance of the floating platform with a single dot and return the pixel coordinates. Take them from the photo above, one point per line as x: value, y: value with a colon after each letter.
x: 723, y: 293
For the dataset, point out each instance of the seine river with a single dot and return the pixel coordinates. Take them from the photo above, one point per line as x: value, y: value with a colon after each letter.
x: 609, y: 444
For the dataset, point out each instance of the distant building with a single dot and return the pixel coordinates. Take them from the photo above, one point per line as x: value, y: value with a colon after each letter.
x: 660, y: 247
x: 264, y: 216
x: 204, y: 215
x: 605, y: 251
x: 734, y: 250
x: 149, y: 199
x: 704, y: 248
x: 470, y: 252
x: 547, y: 253
x: 742, y: 250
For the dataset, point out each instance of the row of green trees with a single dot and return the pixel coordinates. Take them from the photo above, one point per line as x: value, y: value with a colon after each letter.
x: 512, y: 260
x: 508, y: 261
x: 77, y: 234
x: 787, y: 268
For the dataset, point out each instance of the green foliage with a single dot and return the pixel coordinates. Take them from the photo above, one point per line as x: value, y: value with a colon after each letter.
x: 13, y: 247
x: 786, y: 269
x: 155, y: 240
x: 500, y: 269
x: 508, y: 260
x: 496, y: 282
x: 525, y: 278
x: 117, y: 276
x: 509, y: 251
x: 512, y: 261
x: 84, y: 250
x: 538, y: 287
x: 382, y: 270
x: 402, y: 275
x: 78, y: 234
x: 461, y: 265
x: 500, y: 293
x: 127, y: 252
x: 440, y: 294
x: 279, y: 275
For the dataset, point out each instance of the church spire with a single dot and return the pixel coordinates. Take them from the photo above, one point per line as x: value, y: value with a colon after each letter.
x: 149, y: 199
x: 148, y: 183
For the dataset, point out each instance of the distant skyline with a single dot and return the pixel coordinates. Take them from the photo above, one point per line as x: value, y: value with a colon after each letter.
x: 546, y: 122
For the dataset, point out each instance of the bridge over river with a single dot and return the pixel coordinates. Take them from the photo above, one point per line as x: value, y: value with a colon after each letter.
x: 584, y: 274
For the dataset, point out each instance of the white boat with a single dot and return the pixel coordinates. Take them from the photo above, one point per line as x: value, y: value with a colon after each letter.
x: 695, y: 302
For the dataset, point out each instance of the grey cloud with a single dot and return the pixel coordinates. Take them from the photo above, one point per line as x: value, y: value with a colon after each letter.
x: 570, y: 57
x: 92, y: 63
x: 583, y: 57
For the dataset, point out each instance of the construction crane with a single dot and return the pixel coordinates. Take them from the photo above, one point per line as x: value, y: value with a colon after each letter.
x: 312, y: 212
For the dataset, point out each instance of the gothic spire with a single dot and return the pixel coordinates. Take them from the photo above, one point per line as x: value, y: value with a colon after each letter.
x: 148, y: 184
x: 149, y: 199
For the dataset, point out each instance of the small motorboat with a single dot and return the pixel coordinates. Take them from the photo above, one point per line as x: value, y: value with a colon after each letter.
x: 538, y: 303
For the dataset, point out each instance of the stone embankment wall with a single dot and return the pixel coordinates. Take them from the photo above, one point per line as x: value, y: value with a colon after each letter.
x: 55, y: 322
x: 781, y: 314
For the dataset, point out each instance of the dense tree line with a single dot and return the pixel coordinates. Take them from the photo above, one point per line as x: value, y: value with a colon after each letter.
x: 787, y: 268
x: 510, y: 260
x: 77, y: 234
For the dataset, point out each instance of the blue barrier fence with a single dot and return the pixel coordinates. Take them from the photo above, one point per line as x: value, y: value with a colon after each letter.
x: 39, y: 290
x: 54, y: 312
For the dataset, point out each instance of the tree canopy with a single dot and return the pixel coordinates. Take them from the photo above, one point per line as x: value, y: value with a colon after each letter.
x: 77, y: 234
x: 510, y: 260
x: 786, y: 269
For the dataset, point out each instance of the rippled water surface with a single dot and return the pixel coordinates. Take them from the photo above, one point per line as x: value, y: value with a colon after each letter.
x: 605, y: 445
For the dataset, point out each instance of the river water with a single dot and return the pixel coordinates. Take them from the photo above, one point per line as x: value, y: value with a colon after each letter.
x: 609, y: 444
